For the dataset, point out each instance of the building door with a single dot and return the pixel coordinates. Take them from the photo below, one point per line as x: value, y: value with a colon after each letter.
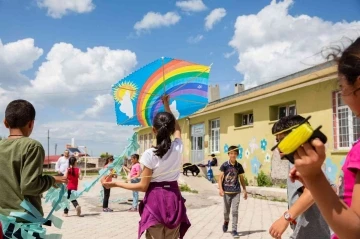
x: 197, y: 143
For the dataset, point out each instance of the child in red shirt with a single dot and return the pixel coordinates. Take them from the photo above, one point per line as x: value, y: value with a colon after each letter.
x: 73, y: 175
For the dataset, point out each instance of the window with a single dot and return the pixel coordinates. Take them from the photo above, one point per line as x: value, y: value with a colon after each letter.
x: 150, y: 140
x: 141, y: 143
x: 145, y: 142
x: 242, y: 119
x: 346, y: 125
x: 215, y: 136
x: 279, y: 111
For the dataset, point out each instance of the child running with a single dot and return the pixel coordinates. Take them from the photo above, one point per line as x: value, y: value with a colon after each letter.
x: 21, y: 160
x: 163, y: 212
x: 73, y: 175
x: 343, y: 216
x: 229, y: 188
x: 134, y: 178
x: 109, y: 178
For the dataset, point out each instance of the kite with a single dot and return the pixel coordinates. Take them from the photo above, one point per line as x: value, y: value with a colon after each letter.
x: 138, y: 96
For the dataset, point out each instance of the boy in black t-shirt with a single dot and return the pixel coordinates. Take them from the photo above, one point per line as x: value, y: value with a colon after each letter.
x: 229, y: 188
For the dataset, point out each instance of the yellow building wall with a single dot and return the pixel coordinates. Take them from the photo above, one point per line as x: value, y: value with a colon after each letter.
x: 256, y: 141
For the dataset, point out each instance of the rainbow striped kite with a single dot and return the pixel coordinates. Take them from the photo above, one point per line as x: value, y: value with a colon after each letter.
x: 138, y: 96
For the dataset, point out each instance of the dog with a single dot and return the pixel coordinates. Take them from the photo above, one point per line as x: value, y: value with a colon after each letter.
x: 192, y: 168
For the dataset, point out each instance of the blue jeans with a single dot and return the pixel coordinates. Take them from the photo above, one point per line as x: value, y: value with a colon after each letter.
x: 135, y: 194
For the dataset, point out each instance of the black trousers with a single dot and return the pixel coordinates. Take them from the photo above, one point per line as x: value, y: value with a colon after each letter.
x: 106, y: 198
x: 74, y: 202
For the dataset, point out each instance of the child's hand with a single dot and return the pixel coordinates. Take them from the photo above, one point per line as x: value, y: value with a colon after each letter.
x: 277, y: 228
x: 245, y: 195
x: 309, y: 158
x: 60, y: 179
x: 165, y: 99
x: 221, y: 192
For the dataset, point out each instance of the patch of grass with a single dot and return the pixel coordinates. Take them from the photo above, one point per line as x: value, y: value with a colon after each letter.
x: 273, y: 199
x: 283, y: 185
x: 186, y: 188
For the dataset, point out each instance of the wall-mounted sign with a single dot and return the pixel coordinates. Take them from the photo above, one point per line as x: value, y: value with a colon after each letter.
x: 198, y: 129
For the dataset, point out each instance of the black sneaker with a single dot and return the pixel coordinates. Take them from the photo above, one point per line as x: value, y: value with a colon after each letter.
x: 225, y: 226
x: 235, y: 234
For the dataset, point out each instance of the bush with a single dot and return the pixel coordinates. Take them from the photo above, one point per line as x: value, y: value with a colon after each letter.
x: 264, y: 180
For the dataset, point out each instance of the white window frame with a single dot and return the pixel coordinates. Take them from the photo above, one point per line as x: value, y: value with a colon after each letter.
x: 214, y: 145
x: 150, y: 139
x: 287, y: 110
x: 350, y: 125
x: 248, y: 119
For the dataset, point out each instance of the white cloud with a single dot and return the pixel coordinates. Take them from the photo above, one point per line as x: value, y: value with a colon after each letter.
x: 16, y: 57
x: 274, y: 43
x: 229, y: 54
x: 59, y: 8
x: 153, y: 20
x: 68, y: 69
x: 195, y: 39
x: 101, y: 102
x: 214, y: 17
x: 191, y: 5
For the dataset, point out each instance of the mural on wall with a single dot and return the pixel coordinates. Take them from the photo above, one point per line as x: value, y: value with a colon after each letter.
x: 240, y: 156
x: 253, y: 145
x: 267, y: 158
x: 247, y: 153
x: 255, y: 165
x: 330, y: 170
x: 226, y: 148
x: 263, y: 144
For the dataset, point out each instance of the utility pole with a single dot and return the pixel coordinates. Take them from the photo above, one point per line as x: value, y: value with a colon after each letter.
x: 55, y: 148
x: 48, y: 148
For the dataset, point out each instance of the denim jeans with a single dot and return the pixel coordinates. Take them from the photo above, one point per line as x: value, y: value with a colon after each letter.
x: 135, y: 194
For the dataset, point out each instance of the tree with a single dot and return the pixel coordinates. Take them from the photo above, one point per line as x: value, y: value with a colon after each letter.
x: 104, y: 155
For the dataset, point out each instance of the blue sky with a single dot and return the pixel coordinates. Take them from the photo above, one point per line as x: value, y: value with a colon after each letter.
x: 240, y: 49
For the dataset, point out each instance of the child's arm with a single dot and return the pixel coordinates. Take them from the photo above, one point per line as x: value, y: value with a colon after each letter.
x: 300, y: 206
x: 344, y: 220
x: 242, y: 181
x: 141, y: 186
x: 166, y: 99
x: 80, y: 175
x: 221, y: 178
x: 32, y: 182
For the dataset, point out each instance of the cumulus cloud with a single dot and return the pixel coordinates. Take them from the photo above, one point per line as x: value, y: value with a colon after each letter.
x: 214, y: 17
x: 227, y: 55
x: 191, y: 5
x: 68, y: 69
x: 195, y: 39
x: 153, y: 20
x: 100, y: 104
x: 273, y: 43
x: 16, y: 57
x: 58, y: 9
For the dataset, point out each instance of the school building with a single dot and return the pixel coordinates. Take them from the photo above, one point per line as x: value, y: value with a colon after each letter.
x: 245, y: 119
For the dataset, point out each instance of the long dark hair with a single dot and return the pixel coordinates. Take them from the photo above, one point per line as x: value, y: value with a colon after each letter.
x: 109, y: 159
x: 164, y: 123
x: 348, y: 61
x: 72, y: 161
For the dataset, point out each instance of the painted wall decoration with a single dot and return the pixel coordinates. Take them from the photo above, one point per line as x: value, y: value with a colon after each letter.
x: 247, y: 153
x: 253, y: 145
x: 255, y: 165
x: 240, y: 156
x: 330, y: 170
x: 226, y: 148
x: 263, y: 144
x: 267, y: 158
